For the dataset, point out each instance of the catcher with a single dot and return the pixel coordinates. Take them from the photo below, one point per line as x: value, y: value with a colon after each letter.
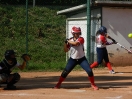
x: 6, y: 67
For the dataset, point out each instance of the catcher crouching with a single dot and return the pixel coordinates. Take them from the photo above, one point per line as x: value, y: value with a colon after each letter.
x: 6, y: 67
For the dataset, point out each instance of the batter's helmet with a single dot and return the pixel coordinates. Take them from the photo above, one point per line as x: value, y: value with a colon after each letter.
x: 102, y: 29
x: 76, y: 30
x: 8, y: 54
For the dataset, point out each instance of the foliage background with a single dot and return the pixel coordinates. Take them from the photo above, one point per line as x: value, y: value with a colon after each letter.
x: 46, y: 35
x: 45, y: 2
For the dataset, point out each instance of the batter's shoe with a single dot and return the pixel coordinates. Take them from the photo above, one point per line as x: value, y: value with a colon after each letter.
x: 57, y: 86
x: 10, y: 87
x: 112, y: 72
x: 94, y: 87
x: 61, y: 79
x: 92, y: 83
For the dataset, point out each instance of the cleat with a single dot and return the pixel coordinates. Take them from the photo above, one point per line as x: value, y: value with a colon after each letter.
x: 57, y: 87
x: 112, y: 72
x: 94, y: 87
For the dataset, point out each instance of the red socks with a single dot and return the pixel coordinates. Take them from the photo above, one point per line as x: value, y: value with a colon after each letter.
x: 92, y: 83
x: 59, y: 82
x: 90, y: 78
x: 94, y: 64
x: 109, y: 65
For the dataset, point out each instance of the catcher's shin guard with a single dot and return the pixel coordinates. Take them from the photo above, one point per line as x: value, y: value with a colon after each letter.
x: 92, y: 83
x: 61, y: 79
x: 3, y: 78
x: 14, y: 78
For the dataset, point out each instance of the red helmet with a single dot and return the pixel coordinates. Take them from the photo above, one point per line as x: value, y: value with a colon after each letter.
x: 76, y: 30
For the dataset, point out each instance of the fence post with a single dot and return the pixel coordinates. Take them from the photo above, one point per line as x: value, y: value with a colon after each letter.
x: 34, y: 3
x: 88, y: 30
x: 26, y: 26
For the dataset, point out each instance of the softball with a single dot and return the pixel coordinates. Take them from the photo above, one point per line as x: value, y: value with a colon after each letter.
x: 130, y: 35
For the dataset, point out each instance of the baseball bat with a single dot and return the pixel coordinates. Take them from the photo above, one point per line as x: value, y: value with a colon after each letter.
x: 129, y: 51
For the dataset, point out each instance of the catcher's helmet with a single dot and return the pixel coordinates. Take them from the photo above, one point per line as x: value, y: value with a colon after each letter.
x: 103, y: 29
x: 76, y: 30
x: 8, y: 54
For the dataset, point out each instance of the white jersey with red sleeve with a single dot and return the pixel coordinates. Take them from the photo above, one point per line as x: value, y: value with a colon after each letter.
x: 101, y: 41
x: 77, y: 52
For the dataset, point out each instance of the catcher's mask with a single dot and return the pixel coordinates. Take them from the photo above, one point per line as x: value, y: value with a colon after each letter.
x: 10, y: 55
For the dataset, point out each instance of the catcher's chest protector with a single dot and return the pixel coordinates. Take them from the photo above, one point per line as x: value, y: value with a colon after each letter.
x: 6, y: 68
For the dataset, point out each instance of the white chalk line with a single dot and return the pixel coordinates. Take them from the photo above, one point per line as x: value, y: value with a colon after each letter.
x: 117, y: 97
x: 76, y: 90
x: 21, y: 94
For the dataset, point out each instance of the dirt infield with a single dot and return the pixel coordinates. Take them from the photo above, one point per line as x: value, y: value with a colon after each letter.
x: 39, y: 85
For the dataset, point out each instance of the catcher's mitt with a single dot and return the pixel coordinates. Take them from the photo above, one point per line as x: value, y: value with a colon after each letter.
x: 26, y: 57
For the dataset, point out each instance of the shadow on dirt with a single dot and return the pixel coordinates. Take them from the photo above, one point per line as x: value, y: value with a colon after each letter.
x: 75, y: 82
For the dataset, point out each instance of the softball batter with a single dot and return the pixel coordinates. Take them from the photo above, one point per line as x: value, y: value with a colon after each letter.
x: 77, y: 56
x: 101, y: 43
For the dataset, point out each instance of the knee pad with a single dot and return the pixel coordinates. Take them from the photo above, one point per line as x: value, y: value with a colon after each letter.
x: 90, y: 73
x: 16, y: 76
x: 64, y: 73
x: 3, y: 77
x: 15, y: 79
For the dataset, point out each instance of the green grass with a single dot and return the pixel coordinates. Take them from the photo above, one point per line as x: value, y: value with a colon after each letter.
x: 46, y: 50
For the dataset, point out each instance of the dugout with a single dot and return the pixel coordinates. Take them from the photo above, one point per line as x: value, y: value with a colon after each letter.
x: 115, y: 15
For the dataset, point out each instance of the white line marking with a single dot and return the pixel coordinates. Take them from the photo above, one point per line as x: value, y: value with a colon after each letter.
x: 21, y: 94
x: 118, y: 97
x: 76, y: 90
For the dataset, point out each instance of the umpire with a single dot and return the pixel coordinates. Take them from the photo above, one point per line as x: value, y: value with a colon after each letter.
x: 6, y: 67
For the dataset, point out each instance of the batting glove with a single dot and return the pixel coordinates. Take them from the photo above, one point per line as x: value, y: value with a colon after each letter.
x: 66, y: 40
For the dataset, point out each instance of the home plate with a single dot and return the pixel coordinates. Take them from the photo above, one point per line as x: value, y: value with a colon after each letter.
x: 76, y: 90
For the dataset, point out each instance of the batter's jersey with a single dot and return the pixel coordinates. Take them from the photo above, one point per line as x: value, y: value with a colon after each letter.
x: 101, y: 41
x: 77, y: 52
